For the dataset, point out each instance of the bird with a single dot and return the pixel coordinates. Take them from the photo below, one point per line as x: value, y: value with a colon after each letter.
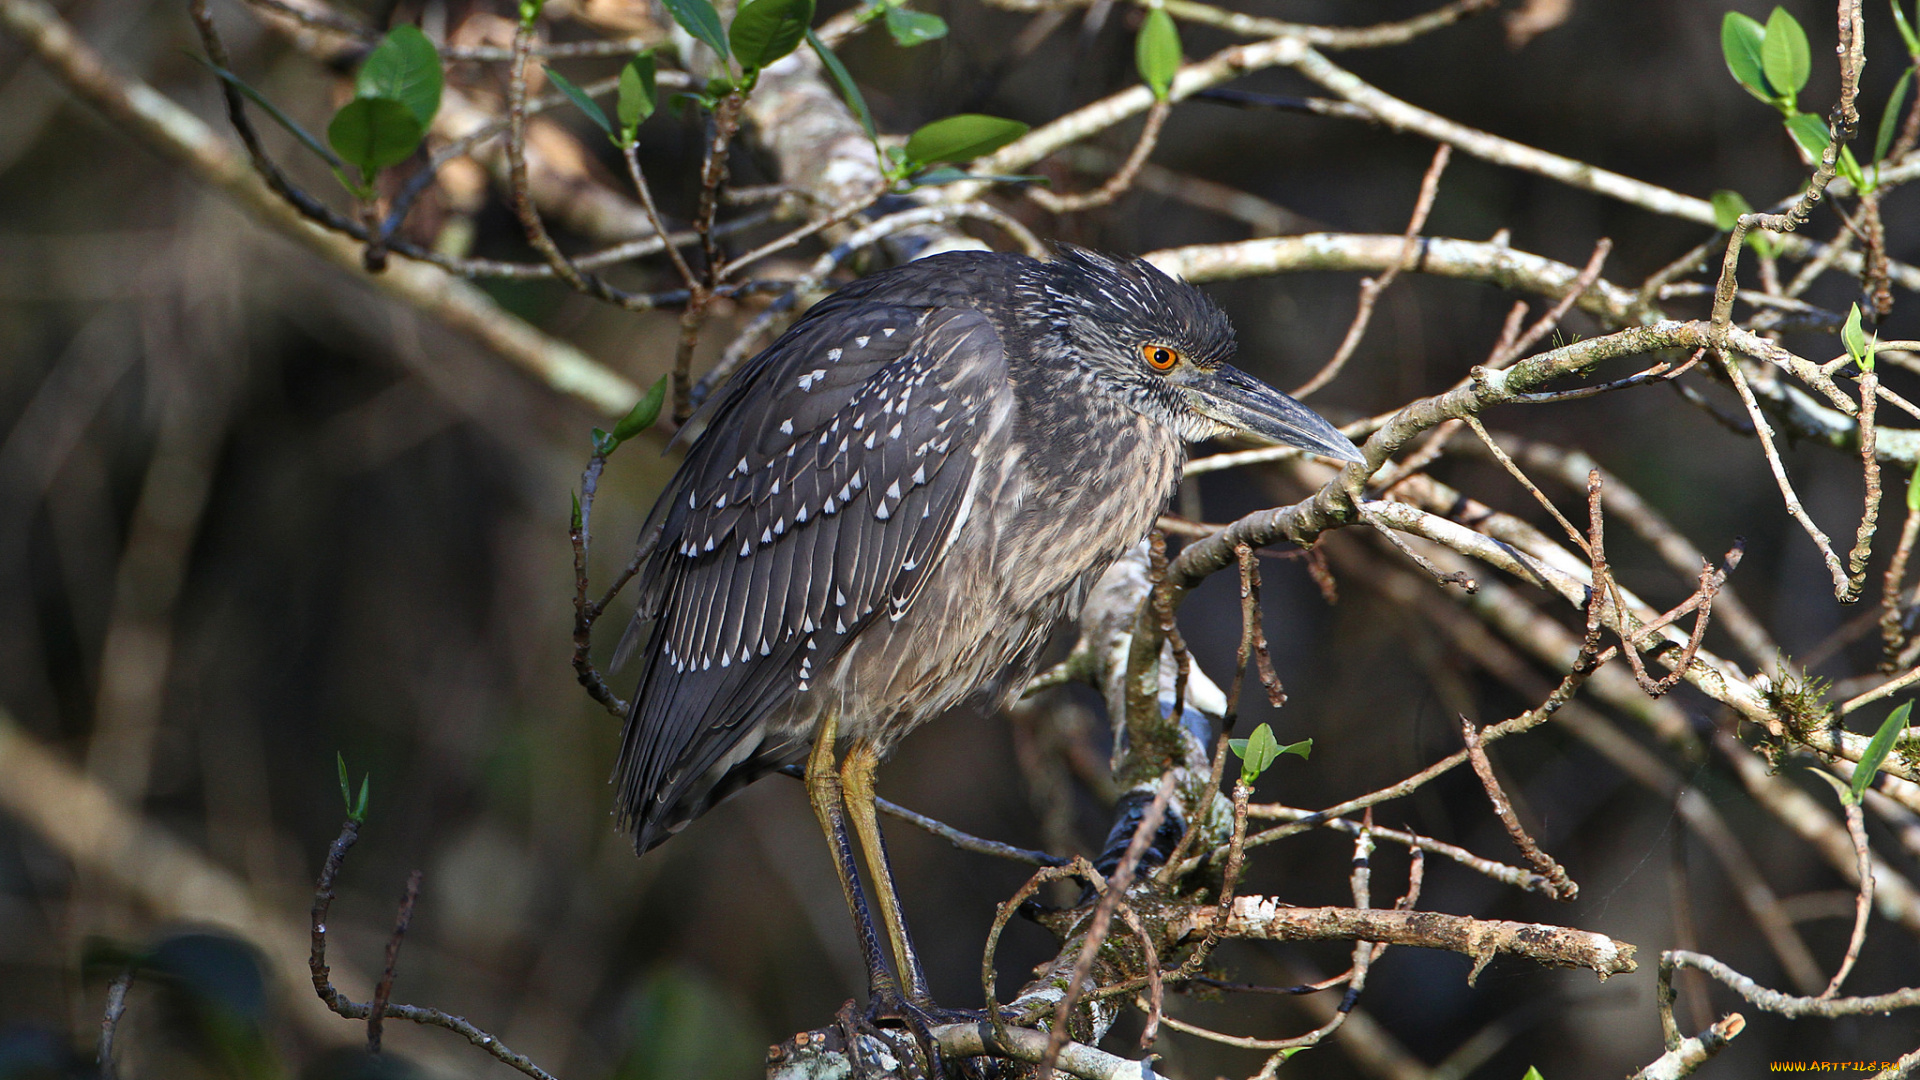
x: 885, y: 514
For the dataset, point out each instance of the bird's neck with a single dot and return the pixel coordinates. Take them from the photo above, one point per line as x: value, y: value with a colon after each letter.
x: 1094, y: 453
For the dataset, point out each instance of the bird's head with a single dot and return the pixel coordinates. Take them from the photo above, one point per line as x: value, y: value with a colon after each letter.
x: 1163, y: 346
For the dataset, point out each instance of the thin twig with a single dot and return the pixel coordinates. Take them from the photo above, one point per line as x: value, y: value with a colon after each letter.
x: 1102, y: 915
x: 1870, y: 471
x: 962, y: 840
x: 110, y: 1022
x: 1892, y: 685
x: 352, y: 1010
x: 584, y: 613
x: 631, y: 152
x: 1841, y: 584
x: 1863, y: 898
x: 1123, y: 177
x: 383, y: 992
x: 1198, y: 814
x: 1589, y: 274
x: 1563, y: 887
x: 1776, y: 1002
x: 1371, y: 288
x: 1507, y: 875
x: 1519, y: 475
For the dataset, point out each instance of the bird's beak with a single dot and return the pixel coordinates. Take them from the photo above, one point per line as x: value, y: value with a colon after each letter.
x: 1231, y: 397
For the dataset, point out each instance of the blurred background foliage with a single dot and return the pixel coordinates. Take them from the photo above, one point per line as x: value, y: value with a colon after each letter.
x: 253, y: 514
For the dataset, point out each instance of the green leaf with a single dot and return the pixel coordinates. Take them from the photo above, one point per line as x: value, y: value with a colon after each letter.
x: 405, y: 67
x: 1890, y: 119
x: 910, y: 28
x: 1809, y: 133
x: 1304, y: 748
x: 639, y: 94
x: 1157, y: 52
x: 1839, y: 788
x: 961, y: 138
x: 1907, y: 35
x: 1532, y: 1074
x: 698, y: 18
x: 1740, y: 39
x: 1784, y: 55
x: 1877, y: 749
x: 1256, y: 753
x: 767, y: 30
x: 844, y: 83
x: 306, y: 138
x: 374, y: 132
x: 644, y: 412
x: 579, y: 97
x: 356, y: 808
x: 603, y: 443
x: 1856, y: 340
x: 530, y: 10
x: 1727, y: 208
x: 574, y: 521
x: 1913, y: 491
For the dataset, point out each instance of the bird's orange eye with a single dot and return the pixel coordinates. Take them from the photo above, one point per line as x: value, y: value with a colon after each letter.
x: 1160, y: 357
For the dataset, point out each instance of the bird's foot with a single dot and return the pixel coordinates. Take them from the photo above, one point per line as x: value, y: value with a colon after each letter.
x: 887, y: 1007
x: 879, y: 1029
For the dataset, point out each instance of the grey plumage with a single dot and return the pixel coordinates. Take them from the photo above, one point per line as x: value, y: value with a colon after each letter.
x: 891, y: 507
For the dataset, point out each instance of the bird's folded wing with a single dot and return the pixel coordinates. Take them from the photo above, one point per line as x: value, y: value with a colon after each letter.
x: 816, y: 503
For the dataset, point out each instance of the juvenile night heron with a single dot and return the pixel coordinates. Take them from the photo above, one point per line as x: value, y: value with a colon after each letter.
x: 886, y: 513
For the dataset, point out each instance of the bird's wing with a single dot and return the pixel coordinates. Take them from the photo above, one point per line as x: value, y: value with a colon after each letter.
x: 818, y: 500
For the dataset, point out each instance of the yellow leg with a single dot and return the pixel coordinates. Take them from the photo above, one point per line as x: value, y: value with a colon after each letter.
x: 829, y: 807
x: 856, y: 778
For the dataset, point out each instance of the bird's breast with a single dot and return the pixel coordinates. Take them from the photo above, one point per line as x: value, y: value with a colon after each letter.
x: 1034, y: 540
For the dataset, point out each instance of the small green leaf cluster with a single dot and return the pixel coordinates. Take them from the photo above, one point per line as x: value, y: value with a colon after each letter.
x: 356, y: 807
x: 1773, y: 62
x: 763, y: 31
x: 908, y: 27
x: 1260, y: 750
x: 1156, y: 52
x: 395, y: 98
x: 394, y: 101
x: 638, y: 419
x: 953, y: 139
x: 1857, y: 344
x: 639, y: 93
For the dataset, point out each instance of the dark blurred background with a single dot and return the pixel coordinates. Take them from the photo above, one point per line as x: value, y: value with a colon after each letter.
x: 254, y: 515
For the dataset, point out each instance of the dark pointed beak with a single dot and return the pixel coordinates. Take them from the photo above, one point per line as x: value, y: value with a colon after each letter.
x: 1247, y: 405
